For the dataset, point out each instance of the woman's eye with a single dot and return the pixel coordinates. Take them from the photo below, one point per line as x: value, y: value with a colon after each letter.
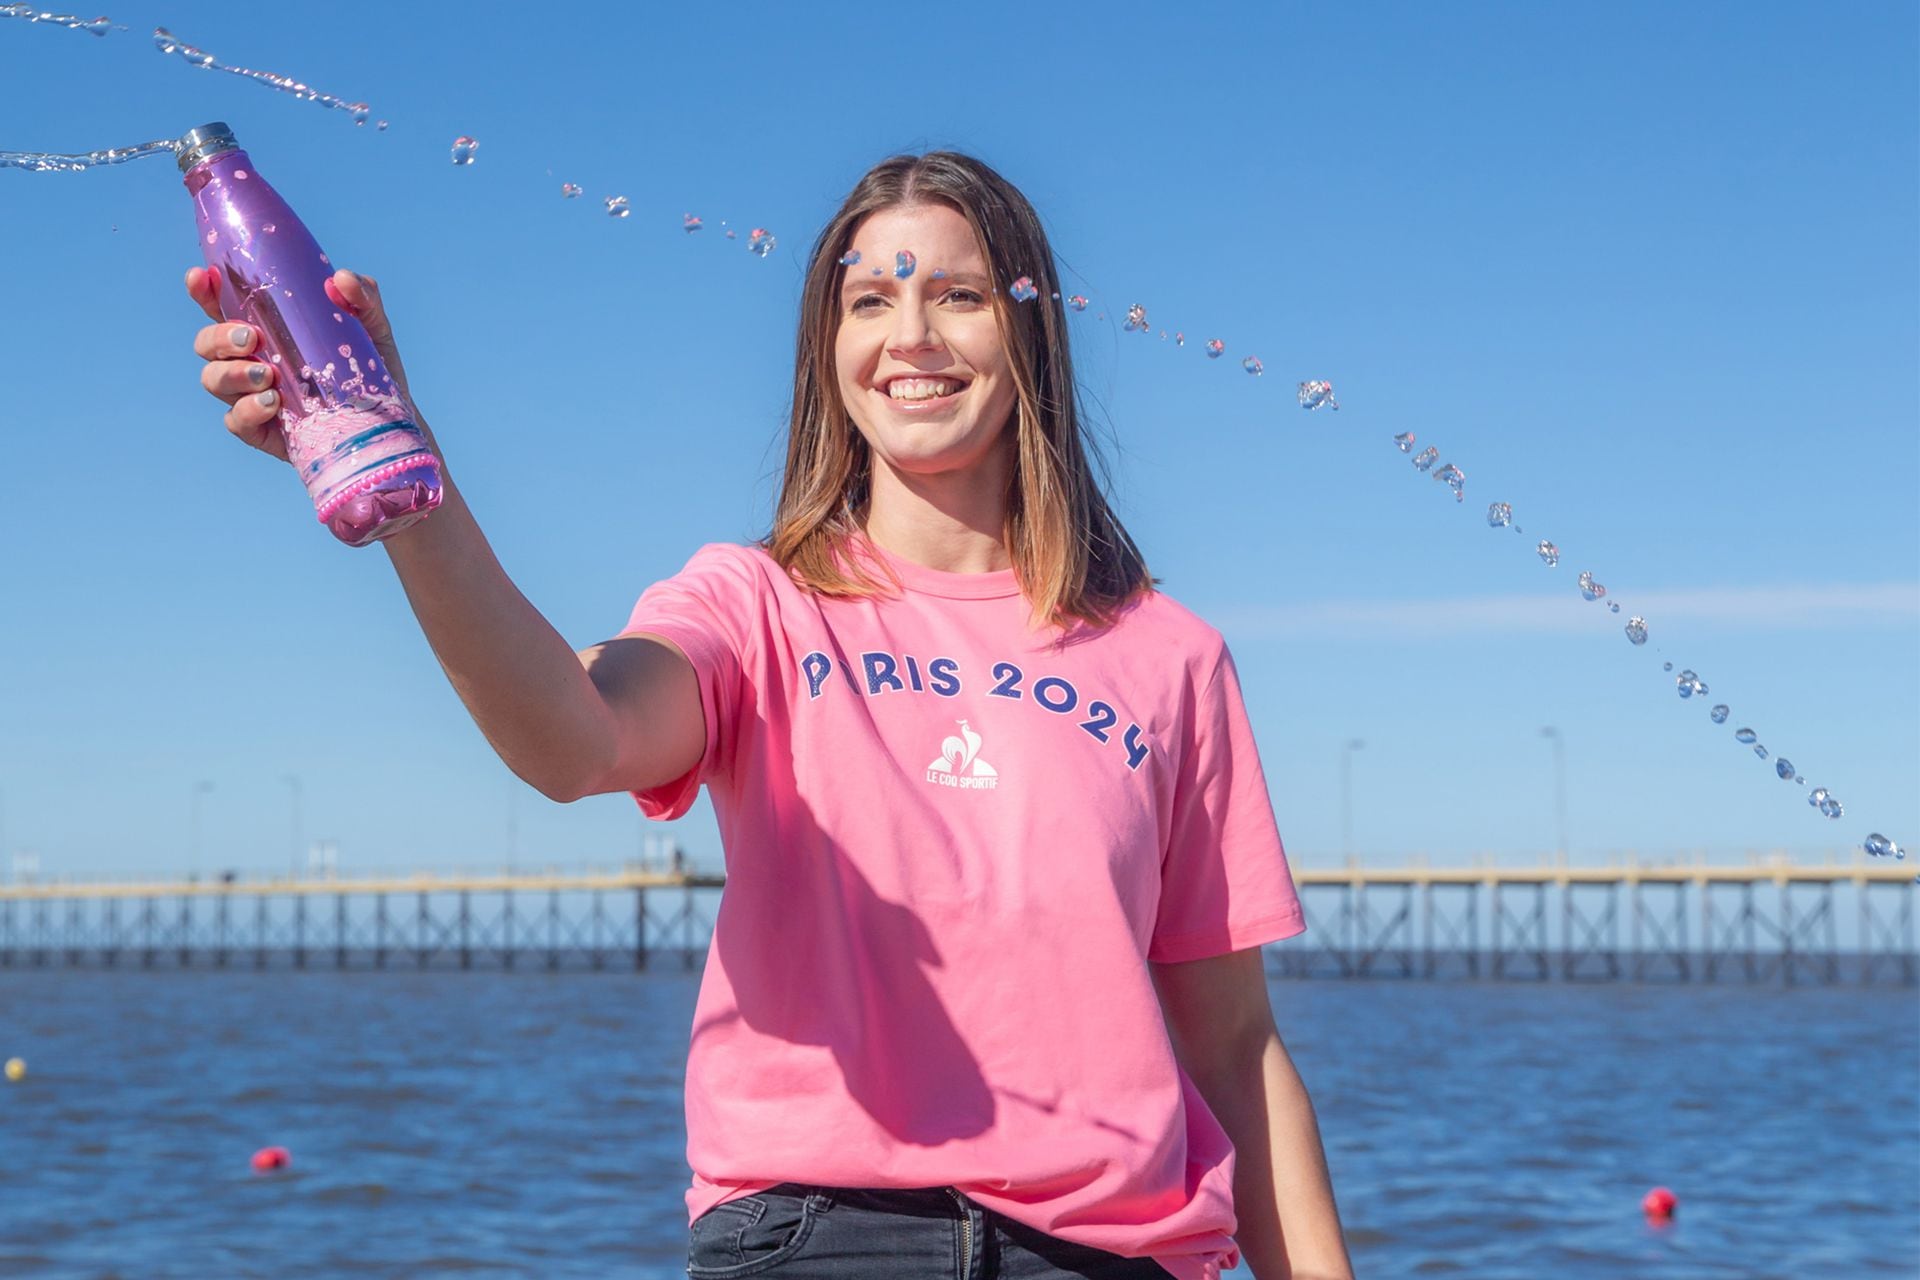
x: 967, y: 294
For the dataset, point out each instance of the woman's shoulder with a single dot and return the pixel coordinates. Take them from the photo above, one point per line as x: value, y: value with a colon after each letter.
x: 1164, y: 619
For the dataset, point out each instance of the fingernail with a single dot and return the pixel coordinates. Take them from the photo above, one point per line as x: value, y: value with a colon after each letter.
x: 352, y: 275
x: 268, y: 399
x: 242, y: 336
x: 257, y: 375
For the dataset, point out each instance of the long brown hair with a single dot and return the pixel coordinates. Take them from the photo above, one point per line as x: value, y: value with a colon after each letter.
x: 1071, y: 556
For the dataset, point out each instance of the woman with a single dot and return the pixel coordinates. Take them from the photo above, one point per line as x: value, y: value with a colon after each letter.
x: 984, y: 995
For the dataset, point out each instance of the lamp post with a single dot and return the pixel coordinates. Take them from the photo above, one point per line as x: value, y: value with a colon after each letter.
x: 200, y: 788
x: 1346, y: 796
x: 1559, y: 791
x: 513, y: 828
x: 293, y: 863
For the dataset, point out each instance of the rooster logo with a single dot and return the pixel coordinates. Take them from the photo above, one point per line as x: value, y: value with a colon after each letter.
x: 960, y: 757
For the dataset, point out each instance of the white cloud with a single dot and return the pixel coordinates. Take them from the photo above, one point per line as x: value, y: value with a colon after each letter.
x: 1777, y: 608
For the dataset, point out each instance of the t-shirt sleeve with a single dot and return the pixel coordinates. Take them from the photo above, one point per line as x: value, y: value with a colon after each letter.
x: 1224, y: 882
x: 708, y: 610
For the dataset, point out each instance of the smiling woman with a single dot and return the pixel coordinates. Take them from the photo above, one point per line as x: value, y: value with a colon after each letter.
x: 961, y: 748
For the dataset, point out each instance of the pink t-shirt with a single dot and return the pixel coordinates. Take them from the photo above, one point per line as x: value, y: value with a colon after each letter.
x: 952, y: 847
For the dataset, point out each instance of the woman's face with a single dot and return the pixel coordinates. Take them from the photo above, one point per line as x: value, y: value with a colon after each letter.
x: 932, y: 331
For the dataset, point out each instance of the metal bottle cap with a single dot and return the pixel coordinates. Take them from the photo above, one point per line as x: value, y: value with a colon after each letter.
x: 208, y: 140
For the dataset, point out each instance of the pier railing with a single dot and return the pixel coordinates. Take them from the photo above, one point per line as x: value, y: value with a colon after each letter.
x: 1771, y: 919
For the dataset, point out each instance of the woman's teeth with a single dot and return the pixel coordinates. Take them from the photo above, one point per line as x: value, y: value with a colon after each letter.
x: 920, y: 389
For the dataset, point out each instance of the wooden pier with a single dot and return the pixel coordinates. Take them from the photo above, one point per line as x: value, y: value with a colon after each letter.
x: 1768, y: 920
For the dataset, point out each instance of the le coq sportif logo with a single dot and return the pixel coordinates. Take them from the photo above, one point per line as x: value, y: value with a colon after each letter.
x: 959, y: 763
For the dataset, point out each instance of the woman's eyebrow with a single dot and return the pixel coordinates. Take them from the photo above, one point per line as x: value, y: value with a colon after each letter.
x: 886, y: 280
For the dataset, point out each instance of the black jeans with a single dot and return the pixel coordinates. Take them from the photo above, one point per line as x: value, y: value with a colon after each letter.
x: 797, y: 1231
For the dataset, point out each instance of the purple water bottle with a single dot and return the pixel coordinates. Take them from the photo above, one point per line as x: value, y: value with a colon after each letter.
x: 350, y: 433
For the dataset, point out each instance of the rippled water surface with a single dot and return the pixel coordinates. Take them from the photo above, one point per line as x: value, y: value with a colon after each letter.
x: 530, y: 1125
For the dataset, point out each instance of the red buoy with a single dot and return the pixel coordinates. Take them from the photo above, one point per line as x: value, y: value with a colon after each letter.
x: 1659, y: 1203
x: 267, y: 1159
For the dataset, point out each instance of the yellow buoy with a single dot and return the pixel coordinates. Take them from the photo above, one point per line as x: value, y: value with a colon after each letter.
x: 16, y: 1068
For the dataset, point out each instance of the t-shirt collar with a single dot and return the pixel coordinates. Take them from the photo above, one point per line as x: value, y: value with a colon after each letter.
x: 938, y: 582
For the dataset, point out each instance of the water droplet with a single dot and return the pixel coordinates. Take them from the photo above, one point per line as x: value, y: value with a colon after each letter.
x: 1455, y: 479
x: 345, y: 350
x: 730, y: 234
x: 464, y: 149
x: 569, y: 191
x: 1666, y: 666
x: 1253, y: 366
x: 760, y: 241
x: 1405, y: 441
x: 1056, y: 295
x: 1136, y: 319
x: 1589, y: 588
x: 903, y: 264
x: 1315, y: 394
x: 1424, y: 460
x: 617, y: 207
x: 1078, y: 302
x: 338, y: 318
x: 1744, y: 735
x: 1179, y: 339
x: 850, y: 259
x: 1760, y: 751
x: 688, y: 222
x: 1879, y: 846
x: 939, y: 273
x: 212, y: 236
x: 1783, y: 767
x: 1688, y: 684
x: 268, y: 227
x: 359, y: 112
x: 1637, y: 629
x: 1551, y: 555
x: 240, y: 174
x: 879, y: 271
x: 1720, y: 713
x: 1022, y: 290
x: 1612, y: 607
x: 381, y: 126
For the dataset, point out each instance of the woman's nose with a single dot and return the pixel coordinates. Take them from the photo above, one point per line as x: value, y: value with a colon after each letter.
x: 912, y: 330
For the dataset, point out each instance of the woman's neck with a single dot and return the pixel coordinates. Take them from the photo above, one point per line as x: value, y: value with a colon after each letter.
x: 955, y: 533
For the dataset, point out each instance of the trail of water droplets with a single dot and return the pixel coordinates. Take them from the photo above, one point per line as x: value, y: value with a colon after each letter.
x: 92, y: 26
x: 54, y: 162
x: 166, y: 42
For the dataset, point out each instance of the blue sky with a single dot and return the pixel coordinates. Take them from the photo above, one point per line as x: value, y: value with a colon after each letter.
x: 1646, y: 272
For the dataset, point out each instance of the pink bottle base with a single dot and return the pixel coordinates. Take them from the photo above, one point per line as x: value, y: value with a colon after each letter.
x: 384, y: 501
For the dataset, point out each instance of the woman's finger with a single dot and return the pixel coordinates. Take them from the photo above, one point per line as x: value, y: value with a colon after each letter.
x: 229, y: 379
x: 225, y: 341
x: 203, y: 288
x: 361, y: 295
x: 252, y: 420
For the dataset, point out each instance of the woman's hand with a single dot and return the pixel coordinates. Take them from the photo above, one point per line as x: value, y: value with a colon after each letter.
x: 249, y: 385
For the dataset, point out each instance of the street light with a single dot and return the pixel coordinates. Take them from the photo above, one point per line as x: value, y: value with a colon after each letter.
x: 1346, y: 796
x: 1559, y: 790
x: 293, y: 863
x: 199, y: 789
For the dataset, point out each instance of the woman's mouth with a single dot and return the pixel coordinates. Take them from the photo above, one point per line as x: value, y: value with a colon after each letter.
x: 923, y: 395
